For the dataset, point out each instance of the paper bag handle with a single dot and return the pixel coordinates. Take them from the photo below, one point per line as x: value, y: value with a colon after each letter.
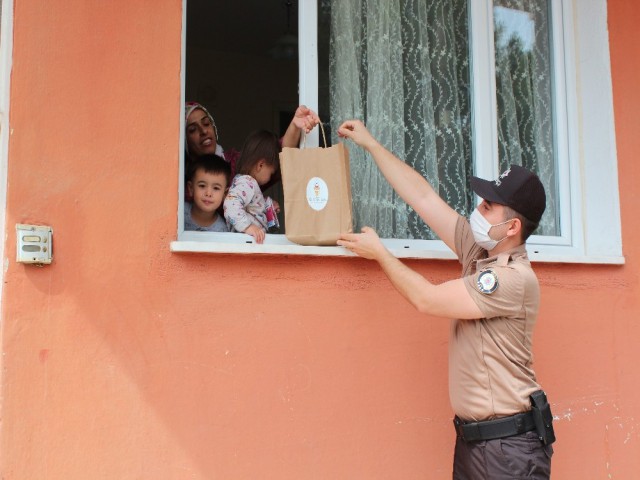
x: 304, y: 136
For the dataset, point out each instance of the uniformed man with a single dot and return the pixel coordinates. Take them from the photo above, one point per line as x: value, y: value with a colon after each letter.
x: 502, y: 419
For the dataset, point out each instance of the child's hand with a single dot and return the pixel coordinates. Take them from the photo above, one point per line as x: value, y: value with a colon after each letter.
x: 256, y: 232
x: 276, y: 206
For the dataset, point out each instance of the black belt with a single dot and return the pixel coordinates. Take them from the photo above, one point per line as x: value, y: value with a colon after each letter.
x: 492, y: 429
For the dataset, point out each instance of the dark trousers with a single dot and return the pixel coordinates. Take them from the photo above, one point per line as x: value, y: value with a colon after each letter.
x: 513, y: 458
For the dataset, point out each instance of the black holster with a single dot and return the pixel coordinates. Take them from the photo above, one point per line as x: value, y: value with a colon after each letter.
x: 542, y: 417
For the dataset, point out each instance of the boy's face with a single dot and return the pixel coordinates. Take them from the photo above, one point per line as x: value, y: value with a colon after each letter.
x: 208, y: 190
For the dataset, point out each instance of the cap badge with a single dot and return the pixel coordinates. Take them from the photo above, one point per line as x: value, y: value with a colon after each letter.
x: 504, y: 174
x: 487, y: 282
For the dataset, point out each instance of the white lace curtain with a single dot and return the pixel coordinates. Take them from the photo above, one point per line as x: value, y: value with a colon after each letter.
x: 402, y: 66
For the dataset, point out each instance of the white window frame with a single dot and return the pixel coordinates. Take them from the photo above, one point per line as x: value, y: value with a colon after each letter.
x: 6, y: 49
x: 585, y: 140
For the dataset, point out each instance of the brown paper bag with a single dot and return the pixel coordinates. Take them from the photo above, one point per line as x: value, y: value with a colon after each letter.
x: 317, y: 194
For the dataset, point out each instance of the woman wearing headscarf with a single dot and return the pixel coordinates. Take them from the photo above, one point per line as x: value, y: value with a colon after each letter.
x: 202, y: 133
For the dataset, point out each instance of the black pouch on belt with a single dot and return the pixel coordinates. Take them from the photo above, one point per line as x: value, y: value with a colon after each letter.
x: 542, y: 417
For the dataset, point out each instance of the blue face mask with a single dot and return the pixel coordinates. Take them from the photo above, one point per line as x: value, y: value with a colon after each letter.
x: 480, y: 227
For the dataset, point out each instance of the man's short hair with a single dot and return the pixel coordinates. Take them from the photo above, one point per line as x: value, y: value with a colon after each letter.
x: 528, y: 227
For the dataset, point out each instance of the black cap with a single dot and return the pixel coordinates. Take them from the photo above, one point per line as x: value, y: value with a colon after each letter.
x: 517, y: 188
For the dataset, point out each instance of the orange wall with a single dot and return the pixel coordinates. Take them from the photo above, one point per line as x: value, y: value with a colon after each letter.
x: 124, y: 361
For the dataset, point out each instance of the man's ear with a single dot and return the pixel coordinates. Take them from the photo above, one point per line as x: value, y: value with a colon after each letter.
x: 515, y: 228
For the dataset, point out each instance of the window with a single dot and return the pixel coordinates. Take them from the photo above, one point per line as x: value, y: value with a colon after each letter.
x: 459, y: 88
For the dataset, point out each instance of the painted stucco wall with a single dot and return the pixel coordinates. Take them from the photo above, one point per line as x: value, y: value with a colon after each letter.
x: 124, y: 361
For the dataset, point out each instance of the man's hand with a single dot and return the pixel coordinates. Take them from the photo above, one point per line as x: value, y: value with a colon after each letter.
x: 366, y: 244
x: 356, y: 131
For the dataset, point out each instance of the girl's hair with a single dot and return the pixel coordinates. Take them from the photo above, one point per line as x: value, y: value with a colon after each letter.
x: 259, y: 145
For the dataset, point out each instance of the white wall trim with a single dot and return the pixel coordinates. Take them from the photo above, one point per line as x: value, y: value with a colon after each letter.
x: 484, y: 97
x: 308, y: 60
x: 596, y: 134
x: 183, y: 82
x: 6, y: 51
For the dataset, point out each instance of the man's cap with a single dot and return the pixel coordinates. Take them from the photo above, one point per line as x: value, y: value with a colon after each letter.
x: 517, y: 188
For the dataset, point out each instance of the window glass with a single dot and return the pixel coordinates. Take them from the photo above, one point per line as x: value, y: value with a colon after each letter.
x: 525, y: 105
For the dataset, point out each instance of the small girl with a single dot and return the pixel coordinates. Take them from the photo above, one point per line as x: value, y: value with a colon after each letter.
x: 245, y: 207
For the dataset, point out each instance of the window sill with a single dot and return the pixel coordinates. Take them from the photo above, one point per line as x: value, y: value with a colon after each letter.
x: 547, y: 254
x: 237, y: 243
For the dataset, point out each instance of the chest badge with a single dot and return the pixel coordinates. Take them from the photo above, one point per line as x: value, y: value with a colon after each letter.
x: 487, y: 282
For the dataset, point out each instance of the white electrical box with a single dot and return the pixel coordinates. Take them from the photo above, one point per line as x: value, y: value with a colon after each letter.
x: 34, y: 244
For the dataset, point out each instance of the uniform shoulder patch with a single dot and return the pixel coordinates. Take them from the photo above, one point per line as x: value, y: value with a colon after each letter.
x: 487, y: 282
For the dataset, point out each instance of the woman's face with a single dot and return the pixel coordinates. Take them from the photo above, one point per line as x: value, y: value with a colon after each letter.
x: 201, y: 135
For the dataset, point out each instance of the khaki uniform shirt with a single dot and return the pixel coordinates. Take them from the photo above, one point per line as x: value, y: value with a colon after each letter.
x: 490, y: 359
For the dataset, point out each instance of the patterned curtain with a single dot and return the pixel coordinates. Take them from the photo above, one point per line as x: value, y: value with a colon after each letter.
x: 402, y: 66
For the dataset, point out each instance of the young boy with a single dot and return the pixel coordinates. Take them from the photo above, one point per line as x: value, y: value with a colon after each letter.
x: 207, y: 185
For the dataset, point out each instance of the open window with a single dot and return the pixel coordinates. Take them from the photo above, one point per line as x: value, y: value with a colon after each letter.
x: 453, y: 87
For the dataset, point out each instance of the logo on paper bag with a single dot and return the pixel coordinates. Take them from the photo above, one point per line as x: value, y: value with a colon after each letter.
x: 317, y: 193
